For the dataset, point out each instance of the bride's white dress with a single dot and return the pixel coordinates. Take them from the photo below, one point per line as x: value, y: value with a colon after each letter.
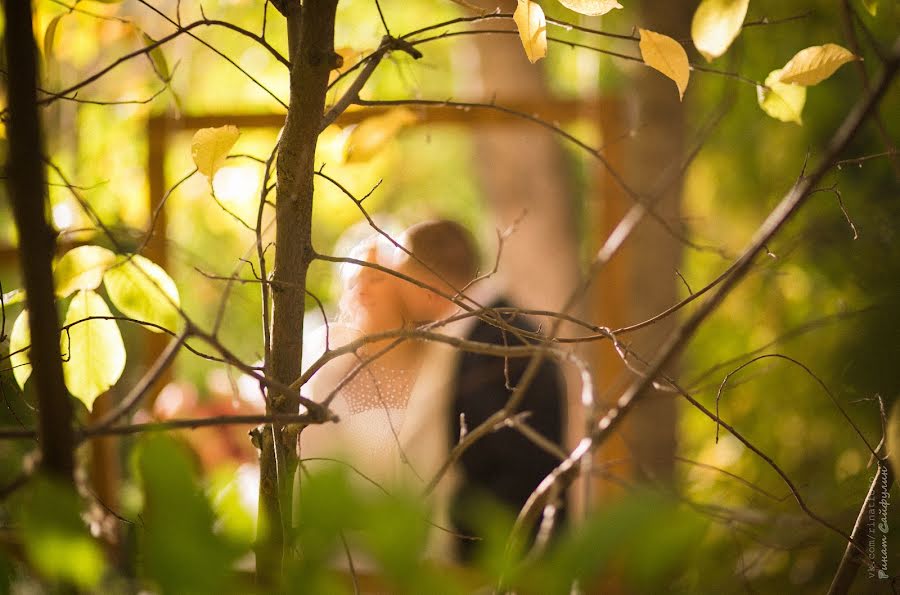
x: 372, y: 408
x: 393, y: 426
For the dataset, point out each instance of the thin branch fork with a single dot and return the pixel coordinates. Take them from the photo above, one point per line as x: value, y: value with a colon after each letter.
x: 372, y: 61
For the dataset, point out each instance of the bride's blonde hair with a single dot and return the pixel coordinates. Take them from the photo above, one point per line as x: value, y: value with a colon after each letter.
x: 374, y: 249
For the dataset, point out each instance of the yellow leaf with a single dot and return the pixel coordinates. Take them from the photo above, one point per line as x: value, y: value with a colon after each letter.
x: 81, y: 268
x: 50, y: 36
x: 815, y: 64
x: 349, y: 57
x: 93, y: 351
x: 871, y: 6
x: 529, y: 18
x: 715, y: 25
x: 591, y: 8
x: 781, y: 101
x: 210, y: 147
x: 666, y: 55
x: 369, y: 137
x: 19, y: 340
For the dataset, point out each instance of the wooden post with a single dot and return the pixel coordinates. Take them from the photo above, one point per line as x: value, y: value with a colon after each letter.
x: 609, y: 296
x: 157, y: 249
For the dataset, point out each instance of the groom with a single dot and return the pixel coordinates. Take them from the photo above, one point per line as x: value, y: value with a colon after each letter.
x: 504, y: 465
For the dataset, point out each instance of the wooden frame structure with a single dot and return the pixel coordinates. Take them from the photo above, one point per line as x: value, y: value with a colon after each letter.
x: 608, y: 300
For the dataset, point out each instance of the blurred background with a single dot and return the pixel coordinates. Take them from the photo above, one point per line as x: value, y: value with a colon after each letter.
x: 828, y: 294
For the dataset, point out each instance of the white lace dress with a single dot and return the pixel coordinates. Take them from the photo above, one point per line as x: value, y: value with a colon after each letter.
x: 372, y: 407
x: 393, y: 424
x: 372, y: 404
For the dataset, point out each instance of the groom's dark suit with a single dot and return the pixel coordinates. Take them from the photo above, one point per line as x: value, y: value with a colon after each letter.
x: 504, y: 464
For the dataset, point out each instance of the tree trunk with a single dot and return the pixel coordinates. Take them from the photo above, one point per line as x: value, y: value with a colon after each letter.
x: 27, y: 189
x: 311, y: 49
x: 654, y: 253
x: 522, y: 169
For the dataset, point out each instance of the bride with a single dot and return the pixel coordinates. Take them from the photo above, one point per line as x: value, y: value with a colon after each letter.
x: 369, y: 389
x: 391, y: 397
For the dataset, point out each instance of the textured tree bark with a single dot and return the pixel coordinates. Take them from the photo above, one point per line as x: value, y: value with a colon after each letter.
x: 311, y: 48
x: 27, y: 189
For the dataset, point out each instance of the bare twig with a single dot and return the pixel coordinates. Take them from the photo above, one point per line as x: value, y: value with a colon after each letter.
x: 811, y: 374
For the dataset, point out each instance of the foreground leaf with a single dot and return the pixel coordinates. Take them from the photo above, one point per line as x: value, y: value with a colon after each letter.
x: 368, y: 138
x: 19, y: 339
x: 716, y: 24
x: 93, y: 351
x: 179, y: 550
x: 81, y: 268
x: 666, y: 55
x: 814, y: 64
x: 56, y: 540
x: 591, y: 8
x: 210, y: 147
x: 781, y: 101
x: 529, y: 18
x: 141, y: 289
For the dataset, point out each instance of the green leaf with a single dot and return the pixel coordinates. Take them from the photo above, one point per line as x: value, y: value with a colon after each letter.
x: 781, y: 101
x: 233, y: 517
x: 20, y: 338
x: 81, y: 268
x: 157, y: 59
x: 179, y: 549
x: 143, y: 290
x: 871, y: 6
x: 56, y: 540
x: 716, y: 24
x: 93, y: 351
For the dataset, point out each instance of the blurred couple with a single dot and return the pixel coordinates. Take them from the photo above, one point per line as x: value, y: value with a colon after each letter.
x: 403, y: 406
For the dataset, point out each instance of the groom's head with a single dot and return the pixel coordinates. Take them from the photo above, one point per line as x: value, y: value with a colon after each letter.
x: 444, y: 256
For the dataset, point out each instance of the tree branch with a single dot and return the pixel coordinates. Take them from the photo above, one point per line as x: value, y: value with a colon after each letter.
x: 798, y: 194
